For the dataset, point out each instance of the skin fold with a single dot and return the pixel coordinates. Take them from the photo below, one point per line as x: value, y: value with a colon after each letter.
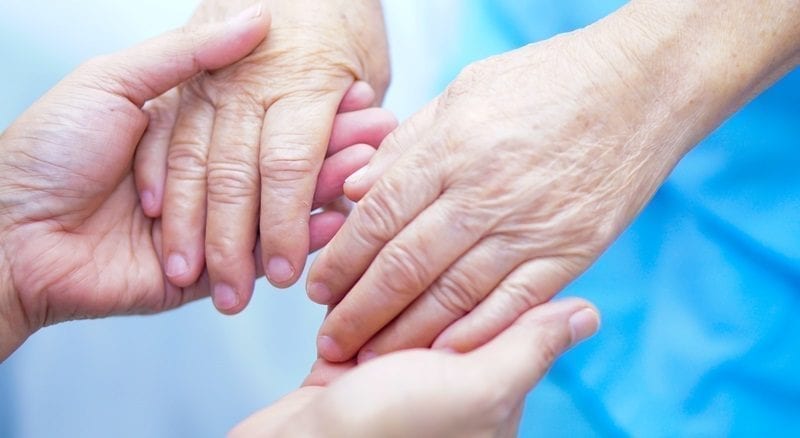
x: 426, y: 393
x: 74, y: 240
x: 245, y: 145
x: 511, y: 183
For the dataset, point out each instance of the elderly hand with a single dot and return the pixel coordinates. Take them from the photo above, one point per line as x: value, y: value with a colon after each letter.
x: 245, y: 144
x: 426, y: 393
x: 516, y: 179
x: 73, y: 241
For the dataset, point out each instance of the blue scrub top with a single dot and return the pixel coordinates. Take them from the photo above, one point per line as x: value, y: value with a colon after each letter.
x: 699, y: 295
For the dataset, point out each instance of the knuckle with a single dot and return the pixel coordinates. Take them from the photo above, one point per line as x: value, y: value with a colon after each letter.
x: 231, y: 182
x: 407, y: 271
x: 187, y: 157
x: 525, y: 296
x: 220, y: 251
x: 456, y: 293
x: 288, y: 165
x: 159, y: 115
x: 375, y: 218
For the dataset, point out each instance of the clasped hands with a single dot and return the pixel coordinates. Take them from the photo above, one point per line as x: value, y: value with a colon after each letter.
x: 132, y: 187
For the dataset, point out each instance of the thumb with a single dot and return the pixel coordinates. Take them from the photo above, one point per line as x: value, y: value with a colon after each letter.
x: 520, y: 356
x: 148, y: 70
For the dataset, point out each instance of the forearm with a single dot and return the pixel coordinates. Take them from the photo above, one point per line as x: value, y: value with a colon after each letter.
x: 684, y: 67
x: 702, y: 60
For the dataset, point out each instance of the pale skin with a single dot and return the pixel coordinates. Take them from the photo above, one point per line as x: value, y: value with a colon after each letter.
x: 74, y: 242
x: 244, y: 148
x: 427, y: 393
x: 512, y: 182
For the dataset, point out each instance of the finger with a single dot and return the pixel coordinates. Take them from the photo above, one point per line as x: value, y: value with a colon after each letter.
x: 361, y: 95
x: 233, y: 203
x: 322, y: 227
x: 150, y: 163
x: 454, y: 294
x: 521, y: 355
x: 369, y: 126
x: 531, y: 284
x: 296, y: 134
x: 175, y: 296
x: 390, y: 150
x: 404, y: 268
x: 184, y: 210
x: 336, y: 169
x: 391, y: 206
x: 146, y: 71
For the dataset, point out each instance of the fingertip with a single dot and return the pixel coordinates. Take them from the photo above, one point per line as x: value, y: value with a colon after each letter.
x: 322, y: 227
x: 584, y: 324
x: 330, y: 350
x: 149, y: 205
x: 357, y: 185
x: 336, y: 169
x: 280, y: 272
x: 225, y: 299
x: 360, y: 96
x: 319, y: 293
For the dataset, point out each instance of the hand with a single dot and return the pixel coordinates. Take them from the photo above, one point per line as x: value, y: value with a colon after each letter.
x: 425, y: 393
x: 73, y: 241
x: 357, y: 130
x: 251, y: 139
x: 516, y: 179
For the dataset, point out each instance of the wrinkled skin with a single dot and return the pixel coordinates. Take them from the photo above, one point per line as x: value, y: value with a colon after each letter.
x: 510, y: 184
x: 425, y: 393
x: 492, y: 199
x: 245, y: 145
x: 74, y: 242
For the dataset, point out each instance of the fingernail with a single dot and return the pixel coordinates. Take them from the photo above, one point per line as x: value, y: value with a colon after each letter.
x: 319, y: 293
x: 366, y: 356
x: 279, y: 270
x: 329, y: 349
x: 225, y: 298
x: 250, y: 13
x: 356, y: 177
x: 177, y: 265
x: 148, y: 200
x: 584, y: 324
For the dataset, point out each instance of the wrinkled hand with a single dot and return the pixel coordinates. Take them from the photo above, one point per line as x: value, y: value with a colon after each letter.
x: 424, y: 393
x: 73, y: 241
x: 245, y: 144
x: 492, y: 199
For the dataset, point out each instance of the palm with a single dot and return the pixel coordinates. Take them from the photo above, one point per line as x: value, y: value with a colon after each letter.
x: 89, y: 251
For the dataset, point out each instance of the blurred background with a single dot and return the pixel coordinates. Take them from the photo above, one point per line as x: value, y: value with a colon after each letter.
x: 699, y: 296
